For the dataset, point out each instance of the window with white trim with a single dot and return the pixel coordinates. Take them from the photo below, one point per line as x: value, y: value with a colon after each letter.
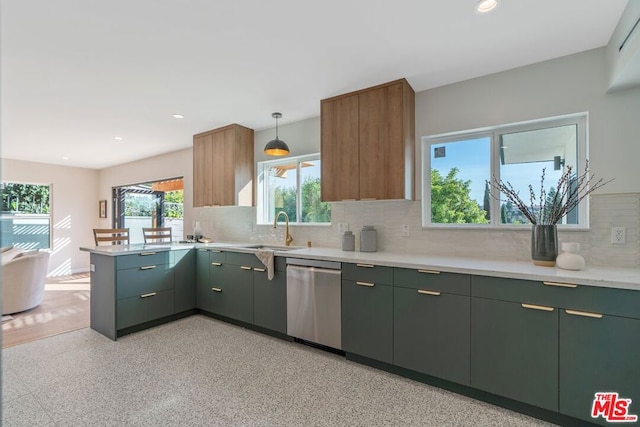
x: 25, y: 216
x: 292, y: 185
x: 457, y: 166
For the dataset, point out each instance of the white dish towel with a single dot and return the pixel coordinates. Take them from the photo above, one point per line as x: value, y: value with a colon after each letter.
x: 266, y: 257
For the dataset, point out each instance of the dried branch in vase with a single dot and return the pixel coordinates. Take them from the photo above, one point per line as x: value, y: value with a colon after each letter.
x: 550, y: 207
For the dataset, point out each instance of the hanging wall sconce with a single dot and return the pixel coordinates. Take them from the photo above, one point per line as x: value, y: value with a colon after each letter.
x: 276, y: 147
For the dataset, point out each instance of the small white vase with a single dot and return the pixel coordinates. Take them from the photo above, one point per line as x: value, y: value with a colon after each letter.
x: 570, y: 259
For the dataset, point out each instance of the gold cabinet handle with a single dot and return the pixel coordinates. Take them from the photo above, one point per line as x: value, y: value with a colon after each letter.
x: 216, y: 289
x: 537, y: 307
x: 584, y: 314
x: 216, y: 263
x: 429, y: 271
x: 561, y: 285
x: 370, y: 285
x: 244, y: 267
x: 434, y: 293
x: 365, y: 265
x: 147, y: 267
x: 152, y: 294
x: 259, y: 269
x: 147, y: 253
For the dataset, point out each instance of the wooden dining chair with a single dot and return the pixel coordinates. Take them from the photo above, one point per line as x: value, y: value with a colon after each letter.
x: 157, y: 234
x: 111, y: 236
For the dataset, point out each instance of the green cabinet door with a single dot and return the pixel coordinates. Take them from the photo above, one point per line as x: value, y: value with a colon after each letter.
x: 184, y: 282
x: 270, y: 297
x: 367, y: 320
x: 432, y: 333
x: 232, y: 295
x: 204, y: 299
x: 598, y: 354
x: 514, y: 351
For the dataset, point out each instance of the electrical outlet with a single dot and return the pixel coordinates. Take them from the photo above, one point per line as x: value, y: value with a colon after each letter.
x: 618, y: 235
x: 405, y: 230
x: 342, y: 227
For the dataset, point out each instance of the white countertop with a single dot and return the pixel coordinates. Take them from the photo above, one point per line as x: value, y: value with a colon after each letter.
x: 622, y: 278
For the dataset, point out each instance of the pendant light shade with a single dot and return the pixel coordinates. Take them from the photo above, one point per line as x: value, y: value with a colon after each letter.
x: 276, y: 147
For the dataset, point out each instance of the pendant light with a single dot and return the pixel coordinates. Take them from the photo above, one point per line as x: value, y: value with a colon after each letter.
x: 276, y: 147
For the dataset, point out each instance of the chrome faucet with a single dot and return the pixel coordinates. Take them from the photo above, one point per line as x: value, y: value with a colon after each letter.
x: 287, y: 237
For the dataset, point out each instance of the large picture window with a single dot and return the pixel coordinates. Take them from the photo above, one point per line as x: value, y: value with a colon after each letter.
x: 291, y: 185
x: 455, y: 189
x: 26, y: 215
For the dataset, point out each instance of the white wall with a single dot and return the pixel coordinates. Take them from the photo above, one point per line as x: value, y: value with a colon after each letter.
x: 565, y: 85
x: 302, y: 137
x: 171, y: 165
x: 624, y: 65
x: 570, y: 84
x: 74, y: 209
x: 561, y: 86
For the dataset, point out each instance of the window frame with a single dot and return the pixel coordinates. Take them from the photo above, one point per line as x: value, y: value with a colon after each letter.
x: 49, y: 216
x: 262, y: 195
x: 581, y: 121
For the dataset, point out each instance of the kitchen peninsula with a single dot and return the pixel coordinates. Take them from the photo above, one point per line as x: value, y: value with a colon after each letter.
x: 535, y: 339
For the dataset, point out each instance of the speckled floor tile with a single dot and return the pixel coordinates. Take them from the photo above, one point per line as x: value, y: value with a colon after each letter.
x: 201, y: 372
x: 25, y: 411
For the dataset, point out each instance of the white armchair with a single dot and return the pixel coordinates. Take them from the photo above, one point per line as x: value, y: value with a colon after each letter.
x: 23, y: 280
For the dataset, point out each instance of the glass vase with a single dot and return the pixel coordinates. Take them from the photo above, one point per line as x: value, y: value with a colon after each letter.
x: 544, y: 245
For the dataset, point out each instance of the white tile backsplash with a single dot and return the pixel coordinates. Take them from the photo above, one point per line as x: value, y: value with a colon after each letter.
x: 620, y: 210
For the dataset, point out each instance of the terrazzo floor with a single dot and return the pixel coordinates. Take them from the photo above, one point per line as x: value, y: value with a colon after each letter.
x: 201, y: 372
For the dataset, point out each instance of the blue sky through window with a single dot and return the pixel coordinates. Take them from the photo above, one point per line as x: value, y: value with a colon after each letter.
x: 472, y: 158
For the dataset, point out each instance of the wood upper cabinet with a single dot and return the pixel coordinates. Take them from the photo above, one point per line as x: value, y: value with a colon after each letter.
x: 367, y: 147
x: 223, y: 167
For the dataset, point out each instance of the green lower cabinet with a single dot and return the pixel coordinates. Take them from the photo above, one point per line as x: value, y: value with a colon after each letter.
x: 598, y: 354
x: 184, y: 279
x: 270, y: 297
x: 203, y: 287
x: 514, y: 351
x: 431, y: 333
x: 144, y: 308
x: 232, y: 292
x: 367, y: 320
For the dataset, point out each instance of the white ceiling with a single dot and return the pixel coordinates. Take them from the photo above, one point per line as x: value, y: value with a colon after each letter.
x: 77, y: 73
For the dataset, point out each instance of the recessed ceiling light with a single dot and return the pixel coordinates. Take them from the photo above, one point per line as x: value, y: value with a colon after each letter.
x: 65, y: 158
x: 178, y: 116
x: 485, y: 6
x: 118, y: 138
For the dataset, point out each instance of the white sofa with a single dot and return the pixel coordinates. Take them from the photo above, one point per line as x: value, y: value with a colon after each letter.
x: 24, y: 274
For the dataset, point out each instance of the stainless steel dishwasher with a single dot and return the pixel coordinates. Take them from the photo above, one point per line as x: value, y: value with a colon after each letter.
x: 314, y: 302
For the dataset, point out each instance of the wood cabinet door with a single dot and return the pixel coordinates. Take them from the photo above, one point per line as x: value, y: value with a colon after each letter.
x: 202, y: 179
x: 598, y: 355
x: 339, y: 149
x: 382, y: 152
x: 223, y: 168
x: 514, y: 351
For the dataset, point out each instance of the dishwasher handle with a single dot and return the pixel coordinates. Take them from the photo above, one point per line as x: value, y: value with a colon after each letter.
x: 315, y: 269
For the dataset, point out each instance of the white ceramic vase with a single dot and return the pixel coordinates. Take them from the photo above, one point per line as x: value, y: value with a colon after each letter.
x: 570, y: 259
